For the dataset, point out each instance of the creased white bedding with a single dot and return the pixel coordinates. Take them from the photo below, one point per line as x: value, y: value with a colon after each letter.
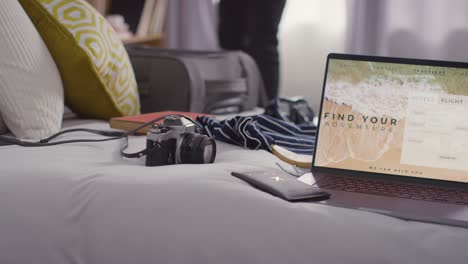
x: 82, y: 203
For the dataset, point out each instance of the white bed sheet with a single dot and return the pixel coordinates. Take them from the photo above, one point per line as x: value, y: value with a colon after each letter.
x: 83, y: 203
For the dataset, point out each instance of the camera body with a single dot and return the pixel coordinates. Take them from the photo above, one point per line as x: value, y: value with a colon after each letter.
x: 177, y: 141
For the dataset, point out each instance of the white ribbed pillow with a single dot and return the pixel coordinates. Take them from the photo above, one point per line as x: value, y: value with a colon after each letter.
x: 31, y: 92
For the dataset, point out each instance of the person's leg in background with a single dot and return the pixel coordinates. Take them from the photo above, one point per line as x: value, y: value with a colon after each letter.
x: 263, y: 20
x: 232, y: 24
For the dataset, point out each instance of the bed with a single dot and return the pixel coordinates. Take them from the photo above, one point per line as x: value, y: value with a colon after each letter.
x: 83, y: 203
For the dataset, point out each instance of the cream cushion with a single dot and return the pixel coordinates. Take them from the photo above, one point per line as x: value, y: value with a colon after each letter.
x: 31, y: 92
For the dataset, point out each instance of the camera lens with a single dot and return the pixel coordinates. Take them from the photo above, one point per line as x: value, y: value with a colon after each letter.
x: 196, y: 148
x: 207, y: 153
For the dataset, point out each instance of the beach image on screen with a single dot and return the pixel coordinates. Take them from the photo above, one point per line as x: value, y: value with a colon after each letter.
x: 396, y: 119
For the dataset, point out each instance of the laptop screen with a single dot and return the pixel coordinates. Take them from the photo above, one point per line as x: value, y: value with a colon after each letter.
x: 394, y: 118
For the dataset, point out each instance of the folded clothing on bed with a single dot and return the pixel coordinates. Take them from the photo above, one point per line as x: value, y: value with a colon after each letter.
x: 261, y: 132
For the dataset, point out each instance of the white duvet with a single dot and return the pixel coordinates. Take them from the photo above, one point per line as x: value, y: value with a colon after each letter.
x: 83, y: 204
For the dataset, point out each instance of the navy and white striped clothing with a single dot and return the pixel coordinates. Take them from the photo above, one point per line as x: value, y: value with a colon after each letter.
x: 260, y: 132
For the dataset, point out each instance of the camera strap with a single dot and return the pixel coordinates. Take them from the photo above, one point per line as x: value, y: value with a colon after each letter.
x: 138, y: 154
x: 110, y: 135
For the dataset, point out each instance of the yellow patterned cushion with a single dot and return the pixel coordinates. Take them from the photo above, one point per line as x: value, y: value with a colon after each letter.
x: 98, y: 78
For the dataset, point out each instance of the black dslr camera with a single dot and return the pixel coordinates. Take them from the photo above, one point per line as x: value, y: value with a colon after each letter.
x: 177, y: 141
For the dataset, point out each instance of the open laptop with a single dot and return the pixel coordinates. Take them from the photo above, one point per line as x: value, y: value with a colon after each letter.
x: 393, y: 137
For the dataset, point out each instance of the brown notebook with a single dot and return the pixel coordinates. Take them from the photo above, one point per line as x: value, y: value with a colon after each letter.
x: 131, y: 122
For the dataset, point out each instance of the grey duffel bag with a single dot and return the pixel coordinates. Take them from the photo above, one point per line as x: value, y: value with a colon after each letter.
x: 218, y: 82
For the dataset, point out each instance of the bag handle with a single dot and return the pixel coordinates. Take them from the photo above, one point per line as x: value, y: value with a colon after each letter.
x: 232, y: 86
x: 226, y: 96
x: 226, y: 106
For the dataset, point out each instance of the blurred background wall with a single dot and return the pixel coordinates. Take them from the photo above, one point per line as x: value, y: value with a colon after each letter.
x: 309, y: 30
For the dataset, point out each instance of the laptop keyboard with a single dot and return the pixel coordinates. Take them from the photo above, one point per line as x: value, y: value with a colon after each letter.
x: 395, y: 189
